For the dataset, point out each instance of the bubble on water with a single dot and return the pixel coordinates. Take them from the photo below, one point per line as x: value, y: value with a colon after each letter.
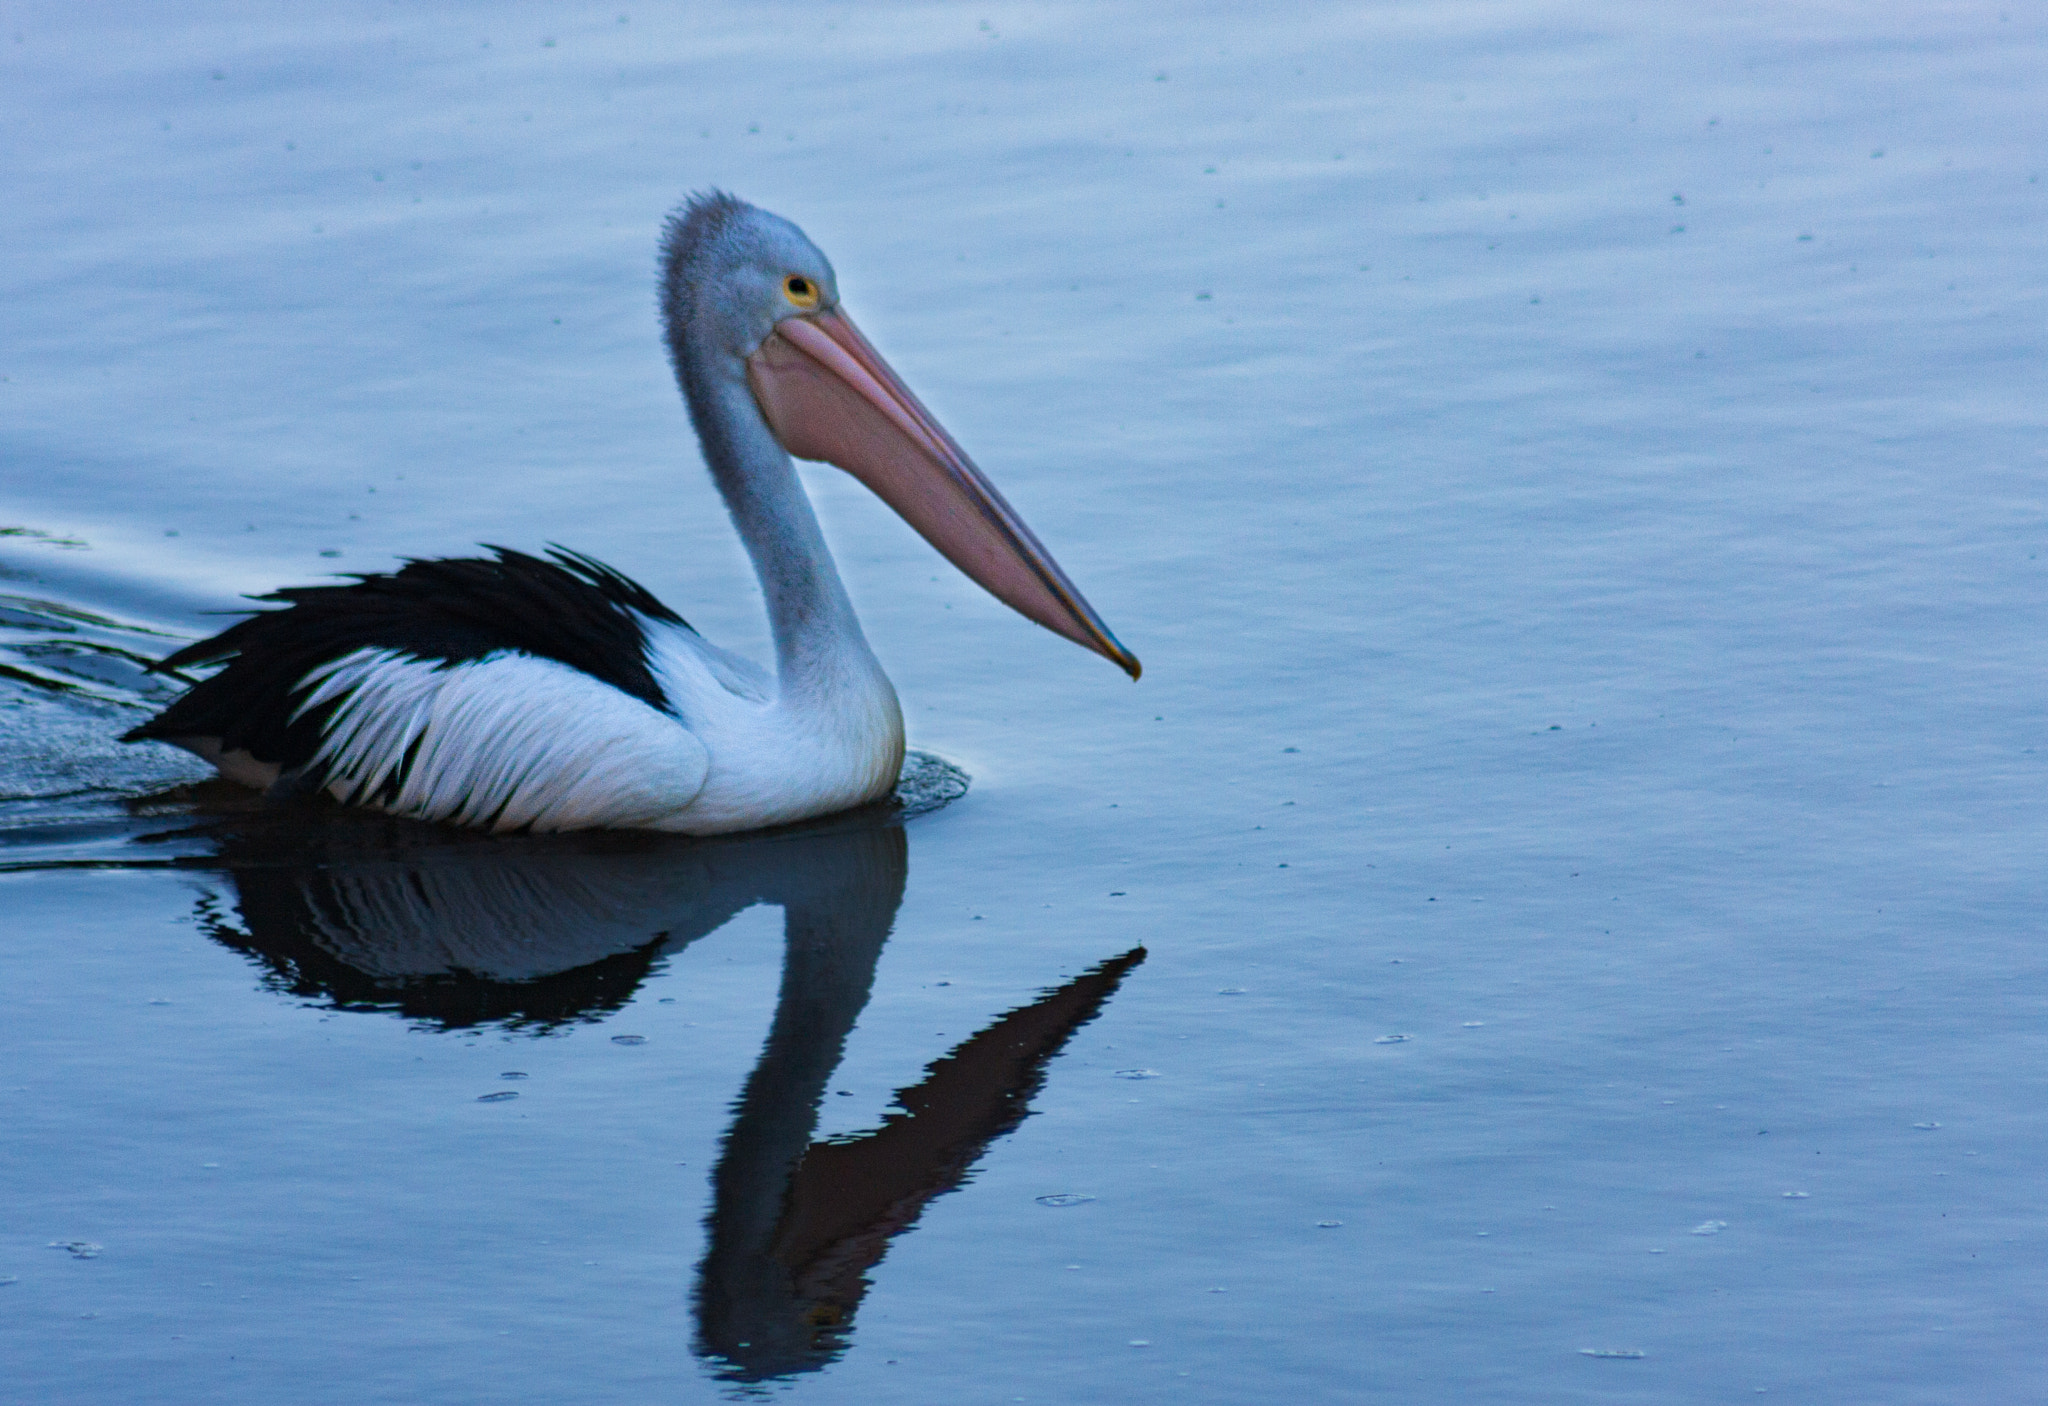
x: 513, y: 1074
x: 499, y: 1097
x: 1927, y: 1127
x: 1063, y: 1198
x: 1795, y: 1195
x: 1137, y: 1074
x: 1391, y: 1040
x: 1710, y: 1227
x: 629, y: 1039
x: 78, y: 1249
x: 1624, y: 1354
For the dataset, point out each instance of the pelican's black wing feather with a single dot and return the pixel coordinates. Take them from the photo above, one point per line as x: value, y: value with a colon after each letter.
x: 451, y: 610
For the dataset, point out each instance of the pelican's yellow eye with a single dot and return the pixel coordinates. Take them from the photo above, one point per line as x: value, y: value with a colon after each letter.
x: 800, y: 290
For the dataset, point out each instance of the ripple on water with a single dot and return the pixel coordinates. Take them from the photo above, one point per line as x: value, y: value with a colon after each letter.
x: 928, y: 783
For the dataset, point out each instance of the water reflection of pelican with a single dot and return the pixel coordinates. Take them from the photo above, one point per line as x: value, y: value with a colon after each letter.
x: 459, y: 929
x: 513, y: 693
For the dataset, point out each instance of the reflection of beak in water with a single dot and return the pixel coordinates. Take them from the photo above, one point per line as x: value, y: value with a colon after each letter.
x: 458, y: 929
x: 794, y: 1227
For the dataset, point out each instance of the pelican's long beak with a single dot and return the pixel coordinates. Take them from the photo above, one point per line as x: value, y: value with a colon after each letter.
x: 827, y: 394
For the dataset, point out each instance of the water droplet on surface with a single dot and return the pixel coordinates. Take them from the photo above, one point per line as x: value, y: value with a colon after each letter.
x: 1063, y: 1198
x: 1710, y: 1227
x: 629, y: 1039
x: 1137, y: 1074
x: 1616, y: 1353
x: 499, y: 1097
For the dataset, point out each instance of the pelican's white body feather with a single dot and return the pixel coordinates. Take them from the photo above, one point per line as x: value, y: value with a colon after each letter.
x: 819, y: 740
x: 513, y: 742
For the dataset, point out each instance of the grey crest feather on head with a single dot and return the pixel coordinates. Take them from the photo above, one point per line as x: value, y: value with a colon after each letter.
x: 722, y: 262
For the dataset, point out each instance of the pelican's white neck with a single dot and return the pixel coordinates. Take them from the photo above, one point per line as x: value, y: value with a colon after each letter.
x: 821, y: 655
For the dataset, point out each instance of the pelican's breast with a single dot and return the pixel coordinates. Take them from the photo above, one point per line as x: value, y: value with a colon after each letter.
x: 776, y: 755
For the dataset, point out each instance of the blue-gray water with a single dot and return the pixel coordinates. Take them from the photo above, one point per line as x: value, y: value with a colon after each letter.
x: 1572, y: 472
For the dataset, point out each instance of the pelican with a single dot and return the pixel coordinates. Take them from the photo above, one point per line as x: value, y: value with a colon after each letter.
x: 515, y: 692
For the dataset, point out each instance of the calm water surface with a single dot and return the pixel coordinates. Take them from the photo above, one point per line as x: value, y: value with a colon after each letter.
x: 1558, y: 921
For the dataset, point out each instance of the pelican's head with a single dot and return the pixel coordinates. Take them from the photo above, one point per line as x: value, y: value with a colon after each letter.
x: 730, y: 272
x: 744, y: 288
